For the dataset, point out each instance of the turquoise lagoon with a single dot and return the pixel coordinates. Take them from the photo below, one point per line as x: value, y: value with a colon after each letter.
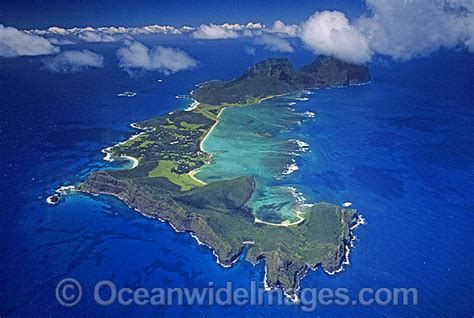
x: 259, y: 140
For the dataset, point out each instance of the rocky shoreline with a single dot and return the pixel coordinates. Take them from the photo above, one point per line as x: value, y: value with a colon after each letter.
x: 282, y: 270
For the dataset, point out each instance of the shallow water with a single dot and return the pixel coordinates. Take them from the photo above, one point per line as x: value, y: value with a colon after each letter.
x: 258, y: 141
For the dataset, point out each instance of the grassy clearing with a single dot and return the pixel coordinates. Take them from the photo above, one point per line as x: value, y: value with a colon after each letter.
x: 169, y: 124
x: 189, y: 126
x: 164, y: 169
x: 145, y: 144
x: 209, y: 111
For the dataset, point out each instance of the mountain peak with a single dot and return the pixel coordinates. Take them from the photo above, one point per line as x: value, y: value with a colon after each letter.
x: 269, y: 67
x: 274, y: 76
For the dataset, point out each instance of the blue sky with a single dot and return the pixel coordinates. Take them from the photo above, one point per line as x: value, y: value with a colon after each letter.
x: 46, y: 13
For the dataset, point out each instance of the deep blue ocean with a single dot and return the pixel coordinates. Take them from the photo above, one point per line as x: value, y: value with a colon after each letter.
x: 401, y: 149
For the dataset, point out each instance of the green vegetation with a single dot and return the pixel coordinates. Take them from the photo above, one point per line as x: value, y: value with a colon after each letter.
x: 145, y: 144
x: 165, y: 169
x: 189, y: 126
x: 169, y: 147
x: 209, y: 111
x: 277, y: 76
x: 217, y: 214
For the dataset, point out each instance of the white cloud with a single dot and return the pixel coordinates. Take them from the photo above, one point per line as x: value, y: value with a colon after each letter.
x: 274, y: 43
x: 329, y: 33
x: 283, y: 29
x: 116, y: 33
x: 214, y: 32
x: 57, y: 30
x: 18, y: 43
x: 73, y: 61
x: 163, y: 59
x: 227, y: 30
x: 152, y: 29
x: 147, y: 29
x: 254, y: 26
x: 405, y: 29
x: 60, y: 41
x: 113, y: 30
x: 401, y: 29
x: 90, y: 36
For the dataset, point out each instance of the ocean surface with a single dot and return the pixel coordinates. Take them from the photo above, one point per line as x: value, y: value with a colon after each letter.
x: 400, y: 149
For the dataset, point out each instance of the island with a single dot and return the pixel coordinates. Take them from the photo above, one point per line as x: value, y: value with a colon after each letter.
x: 167, y: 152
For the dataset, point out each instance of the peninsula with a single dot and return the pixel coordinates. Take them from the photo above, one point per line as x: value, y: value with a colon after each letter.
x: 167, y: 151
